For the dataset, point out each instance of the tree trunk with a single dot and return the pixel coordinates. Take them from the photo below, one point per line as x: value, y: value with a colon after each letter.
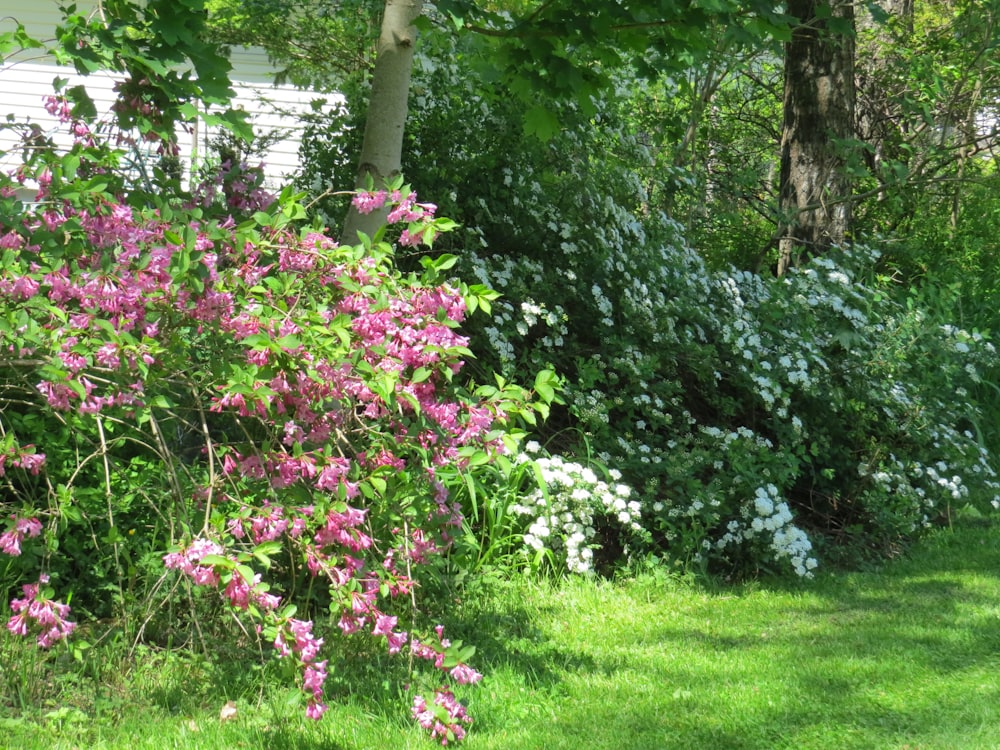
x: 382, y: 147
x: 817, y: 129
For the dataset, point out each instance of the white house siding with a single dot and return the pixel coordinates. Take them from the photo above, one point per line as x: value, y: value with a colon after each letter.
x: 26, y: 78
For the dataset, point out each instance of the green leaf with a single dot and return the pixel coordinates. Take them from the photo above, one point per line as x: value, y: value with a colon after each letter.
x: 540, y: 122
x: 474, y: 456
x: 217, y: 561
x: 161, y: 401
x: 546, y: 382
x: 71, y: 163
x: 246, y: 573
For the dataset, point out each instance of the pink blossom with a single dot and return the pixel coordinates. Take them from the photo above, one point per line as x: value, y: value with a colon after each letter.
x: 25, y: 287
x: 204, y: 576
x: 384, y: 625
x: 238, y: 590
x: 428, y: 719
x: 187, y: 561
x: 10, y: 542
x: 463, y: 674
x: 107, y: 356
x: 315, y: 709
x: 313, y: 678
x: 395, y: 641
x: 46, y: 614
x: 365, y: 203
x: 31, y: 527
x: 58, y: 106
x: 18, y: 624
x: 350, y: 624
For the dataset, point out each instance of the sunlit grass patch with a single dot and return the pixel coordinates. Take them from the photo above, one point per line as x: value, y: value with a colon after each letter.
x: 905, y: 656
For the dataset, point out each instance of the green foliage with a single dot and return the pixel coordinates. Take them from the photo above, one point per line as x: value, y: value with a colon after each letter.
x: 168, y: 64
x: 314, y: 44
x: 584, y: 46
x: 764, y: 423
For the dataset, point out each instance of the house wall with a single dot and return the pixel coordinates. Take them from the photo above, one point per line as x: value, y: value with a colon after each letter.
x: 26, y: 78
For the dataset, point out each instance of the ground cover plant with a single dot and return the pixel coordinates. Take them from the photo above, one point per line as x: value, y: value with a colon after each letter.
x: 900, y: 656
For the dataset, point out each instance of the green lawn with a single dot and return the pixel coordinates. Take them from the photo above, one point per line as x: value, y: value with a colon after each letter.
x: 903, y: 657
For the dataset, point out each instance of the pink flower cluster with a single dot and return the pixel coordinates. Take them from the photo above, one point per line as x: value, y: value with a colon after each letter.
x: 373, y: 200
x: 268, y: 523
x: 10, y: 540
x: 443, y: 718
x: 22, y: 458
x: 242, y: 589
x: 38, y: 610
x: 295, y: 638
x: 188, y: 559
x: 462, y: 673
x: 404, y: 209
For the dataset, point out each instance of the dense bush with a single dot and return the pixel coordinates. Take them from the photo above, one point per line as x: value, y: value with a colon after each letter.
x: 762, y: 423
x: 206, y: 383
x: 757, y: 418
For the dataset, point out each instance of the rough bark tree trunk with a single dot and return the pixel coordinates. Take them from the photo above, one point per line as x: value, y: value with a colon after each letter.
x: 818, y: 122
x: 382, y: 147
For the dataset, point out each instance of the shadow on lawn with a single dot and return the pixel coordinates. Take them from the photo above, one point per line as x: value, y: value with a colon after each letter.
x: 895, y: 658
x: 861, y: 659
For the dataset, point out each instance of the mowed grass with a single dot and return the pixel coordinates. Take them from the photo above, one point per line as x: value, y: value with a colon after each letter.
x: 904, y: 657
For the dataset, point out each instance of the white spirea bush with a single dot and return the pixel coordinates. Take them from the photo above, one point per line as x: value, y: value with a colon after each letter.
x: 562, y: 512
x: 702, y: 386
x: 706, y: 389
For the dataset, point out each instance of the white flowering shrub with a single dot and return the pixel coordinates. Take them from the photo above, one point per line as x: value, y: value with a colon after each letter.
x: 850, y: 410
x: 569, y: 504
x: 811, y: 389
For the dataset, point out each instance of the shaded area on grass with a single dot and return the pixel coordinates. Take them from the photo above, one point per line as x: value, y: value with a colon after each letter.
x: 906, y: 655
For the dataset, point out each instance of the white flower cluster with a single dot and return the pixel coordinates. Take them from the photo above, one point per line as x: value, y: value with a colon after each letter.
x: 930, y: 486
x: 767, y: 513
x: 513, y: 322
x: 562, y: 512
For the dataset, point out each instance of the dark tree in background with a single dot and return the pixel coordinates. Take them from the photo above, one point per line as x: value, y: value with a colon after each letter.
x: 817, y: 130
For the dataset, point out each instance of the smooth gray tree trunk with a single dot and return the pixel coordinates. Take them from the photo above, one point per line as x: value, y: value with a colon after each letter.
x: 382, y: 148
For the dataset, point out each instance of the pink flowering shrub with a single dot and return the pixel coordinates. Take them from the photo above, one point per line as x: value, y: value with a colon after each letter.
x: 37, y: 611
x: 10, y: 540
x: 294, y: 398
